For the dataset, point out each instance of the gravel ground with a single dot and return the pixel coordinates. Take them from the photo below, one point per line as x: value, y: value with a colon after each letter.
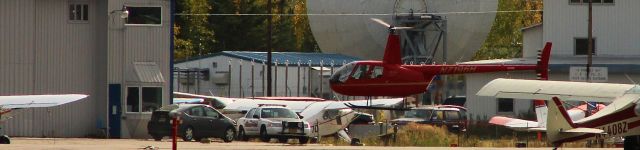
x: 118, y: 144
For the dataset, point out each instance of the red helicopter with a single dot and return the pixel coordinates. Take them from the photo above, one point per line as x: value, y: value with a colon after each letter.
x: 390, y: 77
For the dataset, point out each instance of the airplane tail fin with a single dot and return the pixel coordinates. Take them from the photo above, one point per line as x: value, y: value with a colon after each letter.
x: 541, y: 113
x: 392, y: 51
x: 558, y: 120
x: 543, y: 62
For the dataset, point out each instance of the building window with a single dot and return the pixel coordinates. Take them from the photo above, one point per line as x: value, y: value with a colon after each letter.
x: 144, y: 15
x: 582, y: 45
x: 146, y: 100
x: 78, y: 13
x: 505, y: 105
x: 151, y: 98
x: 594, y: 1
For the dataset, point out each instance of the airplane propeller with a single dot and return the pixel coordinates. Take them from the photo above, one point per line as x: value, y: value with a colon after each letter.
x: 390, y: 26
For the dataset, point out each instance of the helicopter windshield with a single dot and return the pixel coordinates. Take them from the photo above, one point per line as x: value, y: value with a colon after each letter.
x: 342, y: 74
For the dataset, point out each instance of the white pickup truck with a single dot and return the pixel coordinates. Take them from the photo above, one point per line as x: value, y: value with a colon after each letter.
x: 268, y: 122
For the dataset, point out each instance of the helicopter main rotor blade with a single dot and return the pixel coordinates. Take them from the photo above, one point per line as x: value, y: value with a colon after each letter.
x: 390, y: 26
x: 381, y: 22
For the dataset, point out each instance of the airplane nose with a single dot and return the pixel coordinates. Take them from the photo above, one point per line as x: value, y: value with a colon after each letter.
x: 334, y: 79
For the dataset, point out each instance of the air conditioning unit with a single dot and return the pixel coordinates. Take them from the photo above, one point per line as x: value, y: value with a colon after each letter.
x: 221, y: 78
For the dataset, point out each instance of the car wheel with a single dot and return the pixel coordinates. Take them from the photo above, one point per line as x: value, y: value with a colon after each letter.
x: 229, y: 135
x: 242, y: 135
x: 303, y: 140
x: 263, y: 134
x: 5, y: 139
x: 157, y: 137
x: 188, y: 134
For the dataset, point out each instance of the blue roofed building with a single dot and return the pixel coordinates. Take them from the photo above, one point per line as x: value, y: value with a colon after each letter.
x: 243, y: 74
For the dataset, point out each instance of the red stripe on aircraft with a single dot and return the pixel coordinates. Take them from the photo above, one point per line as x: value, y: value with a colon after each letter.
x: 614, y: 117
x: 5, y: 112
x: 385, y: 84
x: 634, y: 124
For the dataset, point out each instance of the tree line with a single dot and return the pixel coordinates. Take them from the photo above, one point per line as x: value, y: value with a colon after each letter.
x: 196, y: 33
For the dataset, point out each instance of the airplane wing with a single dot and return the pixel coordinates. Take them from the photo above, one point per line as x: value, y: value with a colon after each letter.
x: 515, y: 124
x: 585, y: 130
x: 218, y: 102
x: 28, y: 101
x: 569, y: 91
x: 240, y: 104
x: 375, y: 102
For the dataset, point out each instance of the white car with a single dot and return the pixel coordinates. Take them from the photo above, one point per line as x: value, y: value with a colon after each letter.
x: 268, y: 122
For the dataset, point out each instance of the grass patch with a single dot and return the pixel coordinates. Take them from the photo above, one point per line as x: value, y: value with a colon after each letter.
x: 420, y: 135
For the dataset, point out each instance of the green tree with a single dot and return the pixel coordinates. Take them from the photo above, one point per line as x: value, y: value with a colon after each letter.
x: 505, y: 38
x: 249, y: 33
x: 243, y: 33
x: 191, y: 32
x: 194, y: 29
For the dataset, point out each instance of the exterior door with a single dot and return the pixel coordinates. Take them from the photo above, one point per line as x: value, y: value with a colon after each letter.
x: 251, y: 124
x: 115, y: 111
x: 200, y: 122
x: 215, y: 123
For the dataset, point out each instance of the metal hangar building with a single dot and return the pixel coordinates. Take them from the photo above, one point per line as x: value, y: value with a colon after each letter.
x: 616, y: 52
x: 116, y: 51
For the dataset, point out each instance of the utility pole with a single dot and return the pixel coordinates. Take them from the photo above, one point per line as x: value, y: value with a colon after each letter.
x: 589, y: 42
x: 269, y: 48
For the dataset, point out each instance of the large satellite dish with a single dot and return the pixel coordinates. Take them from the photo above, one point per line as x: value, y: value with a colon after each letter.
x: 356, y: 35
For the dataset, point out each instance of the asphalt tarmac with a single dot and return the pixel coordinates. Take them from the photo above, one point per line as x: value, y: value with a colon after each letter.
x: 119, y: 144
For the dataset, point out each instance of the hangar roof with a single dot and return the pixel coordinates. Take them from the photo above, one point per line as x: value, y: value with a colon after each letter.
x: 282, y: 57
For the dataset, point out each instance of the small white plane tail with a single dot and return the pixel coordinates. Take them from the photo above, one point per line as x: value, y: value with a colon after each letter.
x: 541, y: 113
x: 558, y: 121
x: 561, y: 126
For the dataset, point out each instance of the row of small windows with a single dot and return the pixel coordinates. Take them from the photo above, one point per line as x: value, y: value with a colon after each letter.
x: 593, y: 1
x: 79, y: 13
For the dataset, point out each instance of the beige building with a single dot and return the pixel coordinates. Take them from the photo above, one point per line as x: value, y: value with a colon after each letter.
x: 617, y: 52
x: 116, y: 51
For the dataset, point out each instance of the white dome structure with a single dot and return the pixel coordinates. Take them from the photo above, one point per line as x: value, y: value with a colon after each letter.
x: 357, y: 35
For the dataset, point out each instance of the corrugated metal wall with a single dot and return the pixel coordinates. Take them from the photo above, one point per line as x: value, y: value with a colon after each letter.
x: 532, y: 42
x: 128, y: 44
x: 42, y: 53
x: 615, y: 27
x: 206, y: 87
x: 139, y: 43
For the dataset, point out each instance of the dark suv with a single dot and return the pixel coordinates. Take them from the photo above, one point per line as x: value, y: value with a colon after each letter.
x: 198, y: 121
x: 454, y: 117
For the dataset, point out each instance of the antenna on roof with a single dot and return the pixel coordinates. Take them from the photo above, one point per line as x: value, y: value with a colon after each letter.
x: 634, y: 82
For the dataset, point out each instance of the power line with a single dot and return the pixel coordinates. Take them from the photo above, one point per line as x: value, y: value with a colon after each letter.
x: 364, y: 14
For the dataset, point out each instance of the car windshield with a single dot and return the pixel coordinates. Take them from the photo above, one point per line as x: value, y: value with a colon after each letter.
x: 418, y: 113
x: 277, y: 113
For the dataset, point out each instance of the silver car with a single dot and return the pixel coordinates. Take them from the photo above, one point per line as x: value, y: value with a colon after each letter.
x: 268, y: 122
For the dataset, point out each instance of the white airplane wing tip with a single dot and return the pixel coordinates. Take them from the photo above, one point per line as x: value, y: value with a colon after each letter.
x: 28, y: 101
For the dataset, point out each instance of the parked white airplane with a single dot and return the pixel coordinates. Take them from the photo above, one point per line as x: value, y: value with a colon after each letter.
x: 9, y: 103
x: 575, y: 113
x: 332, y: 117
x: 621, y: 118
